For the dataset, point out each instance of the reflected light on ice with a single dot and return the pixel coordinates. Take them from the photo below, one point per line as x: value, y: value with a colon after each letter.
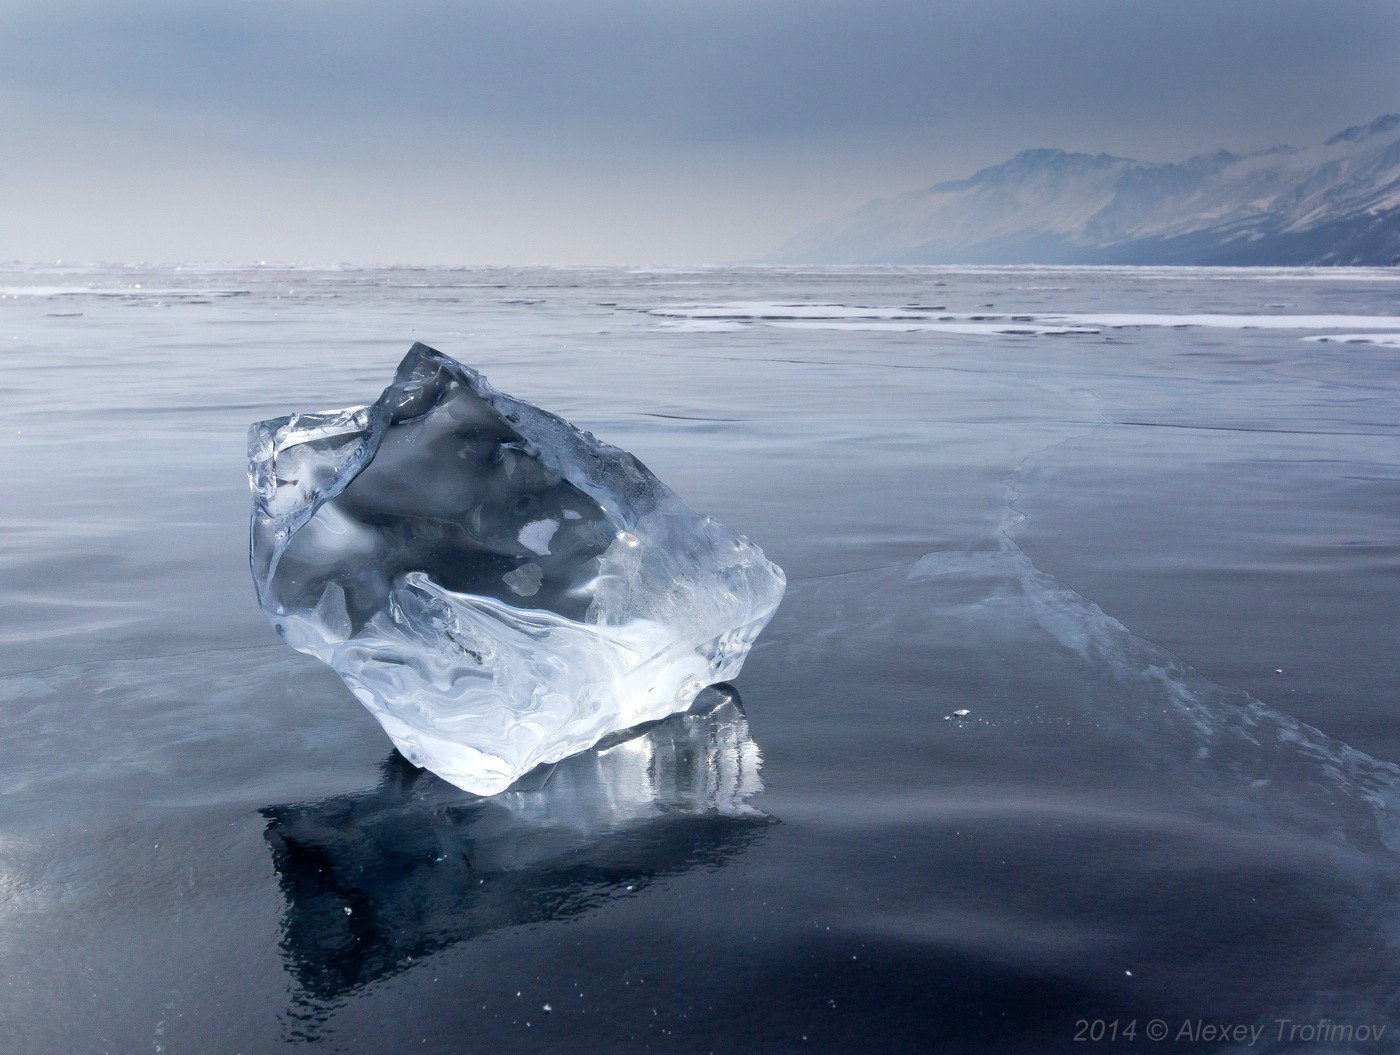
x: 376, y: 880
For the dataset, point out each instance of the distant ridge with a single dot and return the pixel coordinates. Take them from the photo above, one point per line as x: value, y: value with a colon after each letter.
x: 1336, y: 203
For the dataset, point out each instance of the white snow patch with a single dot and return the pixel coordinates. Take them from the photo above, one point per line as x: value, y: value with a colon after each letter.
x: 769, y: 310
x: 1236, y: 322
x: 976, y: 329
x: 1388, y: 340
x: 119, y: 291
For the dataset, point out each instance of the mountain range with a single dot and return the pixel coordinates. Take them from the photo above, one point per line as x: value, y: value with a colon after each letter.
x: 1334, y: 203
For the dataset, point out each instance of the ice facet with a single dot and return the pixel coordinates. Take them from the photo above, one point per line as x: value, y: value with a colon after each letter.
x: 500, y: 589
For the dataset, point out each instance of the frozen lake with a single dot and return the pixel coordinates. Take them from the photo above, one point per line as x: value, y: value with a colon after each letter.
x: 1139, y: 524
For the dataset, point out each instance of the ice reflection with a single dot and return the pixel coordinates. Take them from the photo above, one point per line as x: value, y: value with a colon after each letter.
x: 376, y: 880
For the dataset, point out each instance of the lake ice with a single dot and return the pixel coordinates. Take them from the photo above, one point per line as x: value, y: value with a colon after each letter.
x: 1155, y: 564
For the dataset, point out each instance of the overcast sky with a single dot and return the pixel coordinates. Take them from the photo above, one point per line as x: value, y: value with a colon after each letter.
x: 613, y: 131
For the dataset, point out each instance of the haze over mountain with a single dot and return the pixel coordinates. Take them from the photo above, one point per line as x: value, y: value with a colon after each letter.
x: 1335, y: 203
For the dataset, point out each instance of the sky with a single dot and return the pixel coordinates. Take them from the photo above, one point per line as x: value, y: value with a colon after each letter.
x: 613, y: 131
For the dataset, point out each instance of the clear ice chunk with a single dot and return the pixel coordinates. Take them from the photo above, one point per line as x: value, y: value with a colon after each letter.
x: 500, y: 589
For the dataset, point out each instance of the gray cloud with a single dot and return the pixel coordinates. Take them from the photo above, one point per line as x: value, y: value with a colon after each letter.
x: 635, y: 129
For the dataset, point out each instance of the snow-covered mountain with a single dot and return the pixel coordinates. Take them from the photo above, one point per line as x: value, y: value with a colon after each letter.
x: 1337, y: 203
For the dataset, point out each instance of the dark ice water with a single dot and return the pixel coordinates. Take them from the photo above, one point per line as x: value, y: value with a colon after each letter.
x: 1156, y: 566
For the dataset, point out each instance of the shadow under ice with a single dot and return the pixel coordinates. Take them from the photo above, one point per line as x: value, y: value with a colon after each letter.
x: 376, y: 880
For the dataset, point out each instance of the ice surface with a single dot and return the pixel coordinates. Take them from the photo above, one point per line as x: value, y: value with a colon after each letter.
x: 917, y: 318
x: 500, y: 589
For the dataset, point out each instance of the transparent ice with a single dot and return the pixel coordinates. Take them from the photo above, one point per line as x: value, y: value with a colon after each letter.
x: 500, y: 589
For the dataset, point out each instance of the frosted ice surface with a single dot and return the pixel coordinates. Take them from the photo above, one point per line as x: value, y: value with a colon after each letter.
x: 500, y: 589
